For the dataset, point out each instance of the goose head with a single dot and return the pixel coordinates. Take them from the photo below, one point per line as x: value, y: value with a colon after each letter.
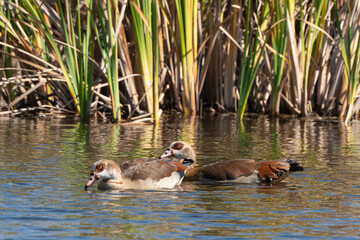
x: 180, y: 150
x: 106, y: 170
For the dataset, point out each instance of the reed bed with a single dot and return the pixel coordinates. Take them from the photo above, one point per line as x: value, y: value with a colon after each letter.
x: 130, y: 60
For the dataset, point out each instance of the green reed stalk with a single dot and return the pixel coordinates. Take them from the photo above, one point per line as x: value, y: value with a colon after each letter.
x: 279, y: 39
x: 32, y: 8
x: 26, y: 33
x: 187, y: 19
x: 307, y: 47
x: 108, y: 46
x: 5, y: 59
x: 24, y: 37
x: 351, y: 61
x: 43, y: 51
x: 78, y: 50
x: 155, y: 45
x: 144, y: 15
x: 250, y: 61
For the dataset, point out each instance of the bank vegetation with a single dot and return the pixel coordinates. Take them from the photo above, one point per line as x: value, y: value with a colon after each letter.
x: 130, y: 60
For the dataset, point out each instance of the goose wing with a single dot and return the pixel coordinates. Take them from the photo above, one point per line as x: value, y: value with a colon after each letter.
x: 155, y: 170
x: 229, y: 169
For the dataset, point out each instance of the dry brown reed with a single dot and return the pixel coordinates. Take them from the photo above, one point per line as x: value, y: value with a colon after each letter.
x: 202, y: 49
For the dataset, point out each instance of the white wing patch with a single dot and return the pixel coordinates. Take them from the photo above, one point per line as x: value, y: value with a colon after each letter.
x: 148, y: 184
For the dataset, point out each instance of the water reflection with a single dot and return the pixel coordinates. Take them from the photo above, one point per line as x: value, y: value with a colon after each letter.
x: 44, y: 166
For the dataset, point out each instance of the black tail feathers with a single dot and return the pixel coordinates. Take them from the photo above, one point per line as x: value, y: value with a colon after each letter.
x: 294, y: 165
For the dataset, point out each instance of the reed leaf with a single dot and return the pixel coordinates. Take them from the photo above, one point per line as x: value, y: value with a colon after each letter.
x: 108, y: 46
x: 5, y: 60
x: 308, y: 50
x: 155, y: 47
x: 293, y: 56
x: 144, y: 15
x: 279, y: 39
x: 350, y: 54
x: 187, y: 21
x: 42, y: 25
x: 77, y: 61
x: 250, y: 60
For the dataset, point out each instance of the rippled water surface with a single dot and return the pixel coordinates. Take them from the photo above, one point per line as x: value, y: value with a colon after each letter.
x: 45, y: 164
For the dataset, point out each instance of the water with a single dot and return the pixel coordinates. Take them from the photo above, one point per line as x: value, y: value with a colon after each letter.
x: 45, y: 164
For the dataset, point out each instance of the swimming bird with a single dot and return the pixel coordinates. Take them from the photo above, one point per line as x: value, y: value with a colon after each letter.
x: 238, y: 170
x: 137, y: 174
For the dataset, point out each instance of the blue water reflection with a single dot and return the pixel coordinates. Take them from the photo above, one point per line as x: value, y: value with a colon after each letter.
x: 45, y: 164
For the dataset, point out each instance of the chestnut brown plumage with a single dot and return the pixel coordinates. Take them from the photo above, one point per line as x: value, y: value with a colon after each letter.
x: 240, y: 170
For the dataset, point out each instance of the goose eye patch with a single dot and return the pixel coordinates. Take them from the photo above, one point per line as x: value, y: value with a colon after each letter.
x: 178, y: 146
x: 100, y: 167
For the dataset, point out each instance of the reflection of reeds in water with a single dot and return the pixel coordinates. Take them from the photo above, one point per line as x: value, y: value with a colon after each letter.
x: 214, y: 138
x: 43, y: 153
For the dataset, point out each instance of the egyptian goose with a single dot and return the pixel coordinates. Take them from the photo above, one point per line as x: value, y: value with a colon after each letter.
x: 238, y: 170
x: 137, y: 174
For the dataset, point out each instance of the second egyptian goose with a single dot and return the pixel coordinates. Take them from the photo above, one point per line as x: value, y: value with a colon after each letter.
x: 239, y: 170
x: 137, y: 174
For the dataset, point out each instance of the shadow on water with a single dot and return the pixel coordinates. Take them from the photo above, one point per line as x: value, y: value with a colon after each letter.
x: 45, y: 164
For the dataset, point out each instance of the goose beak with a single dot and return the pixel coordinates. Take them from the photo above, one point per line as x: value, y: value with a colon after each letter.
x: 166, y: 154
x: 91, y: 180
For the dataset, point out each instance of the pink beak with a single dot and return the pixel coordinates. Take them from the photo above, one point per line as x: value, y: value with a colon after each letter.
x: 91, y: 180
x: 166, y: 154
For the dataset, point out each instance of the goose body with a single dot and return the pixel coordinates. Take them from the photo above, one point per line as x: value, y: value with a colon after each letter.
x: 137, y: 174
x: 237, y: 170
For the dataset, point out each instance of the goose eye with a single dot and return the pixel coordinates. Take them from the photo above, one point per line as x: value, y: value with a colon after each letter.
x: 100, y: 167
x: 177, y: 146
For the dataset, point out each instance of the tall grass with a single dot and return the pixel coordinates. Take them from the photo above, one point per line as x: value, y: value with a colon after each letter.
x: 107, y: 38
x: 350, y: 48
x: 42, y: 24
x: 308, y: 50
x: 144, y: 15
x: 78, y: 51
x: 251, y: 58
x: 5, y: 60
x: 278, y: 40
x: 50, y: 62
x: 187, y: 20
x: 76, y: 66
x: 230, y: 64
